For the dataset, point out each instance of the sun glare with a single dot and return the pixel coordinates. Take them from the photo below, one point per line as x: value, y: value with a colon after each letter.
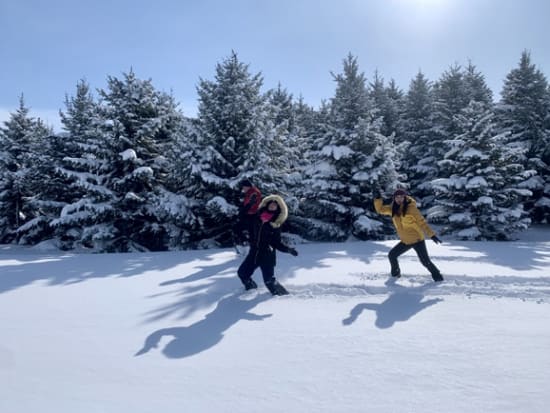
x: 426, y: 3
x: 424, y: 15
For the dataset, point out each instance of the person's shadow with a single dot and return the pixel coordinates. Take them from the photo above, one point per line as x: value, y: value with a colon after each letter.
x: 209, y: 331
x: 401, y: 305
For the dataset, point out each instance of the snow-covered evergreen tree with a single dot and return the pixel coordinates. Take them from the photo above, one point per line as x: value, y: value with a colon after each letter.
x: 179, y: 210
x: 386, y: 103
x: 476, y: 87
x: 287, y: 139
x: 523, y: 111
x: 51, y: 189
x: 236, y: 138
x: 351, y: 158
x: 450, y: 96
x: 282, y: 108
x: 482, y: 182
x: 453, y: 92
x: 76, y: 162
x: 21, y: 140
x: 419, y: 161
x: 394, y: 111
x: 122, y: 167
x: 307, y: 119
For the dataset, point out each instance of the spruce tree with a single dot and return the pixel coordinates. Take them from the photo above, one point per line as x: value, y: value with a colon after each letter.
x: 281, y: 123
x: 523, y: 111
x: 281, y: 108
x: 351, y: 158
x: 453, y: 92
x: 482, y: 182
x: 80, y: 154
x: 450, y: 96
x: 50, y: 189
x: 394, y: 111
x: 122, y: 167
x: 22, y: 140
x: 476, y: 86
x: 306, y: 123
x: 419, y: 159
x: 386, y: 103
x: 231, y: 125
x: 179, y: 210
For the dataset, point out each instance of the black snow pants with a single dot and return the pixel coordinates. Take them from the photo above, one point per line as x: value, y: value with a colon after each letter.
x: 250, y: 264
x: 421, y: 251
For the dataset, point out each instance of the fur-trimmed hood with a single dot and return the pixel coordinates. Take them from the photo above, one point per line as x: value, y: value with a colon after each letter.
x: 283, y: 214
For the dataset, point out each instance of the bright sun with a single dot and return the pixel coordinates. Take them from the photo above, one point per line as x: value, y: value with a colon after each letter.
x: 427, y: 3
x: 421, y: 12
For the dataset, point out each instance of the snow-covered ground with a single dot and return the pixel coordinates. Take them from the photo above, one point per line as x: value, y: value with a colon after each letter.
x: 167, y: 332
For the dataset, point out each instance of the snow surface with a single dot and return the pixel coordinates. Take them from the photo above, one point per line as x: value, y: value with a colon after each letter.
x: 166, y: 332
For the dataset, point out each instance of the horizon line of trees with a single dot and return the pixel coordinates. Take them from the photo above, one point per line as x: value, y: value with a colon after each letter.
x: 129, y: 172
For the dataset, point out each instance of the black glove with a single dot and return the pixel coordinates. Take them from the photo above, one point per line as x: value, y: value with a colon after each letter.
x: 293, y: 252
x: 436, y: 240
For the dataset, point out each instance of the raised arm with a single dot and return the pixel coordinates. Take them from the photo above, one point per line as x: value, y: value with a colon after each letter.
x: 381, y: 208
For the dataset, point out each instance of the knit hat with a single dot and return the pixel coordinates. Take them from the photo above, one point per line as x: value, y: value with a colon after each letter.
x: 245, y: 182
x: 399, y: 192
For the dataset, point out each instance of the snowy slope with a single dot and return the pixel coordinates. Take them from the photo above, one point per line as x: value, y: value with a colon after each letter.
x: 166, y: 332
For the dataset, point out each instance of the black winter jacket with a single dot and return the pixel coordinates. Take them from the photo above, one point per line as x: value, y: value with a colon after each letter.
x: 265, y: 237
x: 264, y: 241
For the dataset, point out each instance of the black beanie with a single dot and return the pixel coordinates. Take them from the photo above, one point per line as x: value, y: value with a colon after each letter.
x: 245, y: 182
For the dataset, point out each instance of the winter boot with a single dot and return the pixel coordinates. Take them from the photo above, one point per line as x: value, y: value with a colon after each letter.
x: 437, y: 277
x: 276, y: 289
x: 396, y: 273
x: 250, y: 284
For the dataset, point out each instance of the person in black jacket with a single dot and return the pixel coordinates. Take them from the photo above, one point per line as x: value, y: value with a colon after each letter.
x: 265, y: 239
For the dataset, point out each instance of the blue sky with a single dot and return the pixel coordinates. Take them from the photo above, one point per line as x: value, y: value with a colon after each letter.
x: 47, y: 46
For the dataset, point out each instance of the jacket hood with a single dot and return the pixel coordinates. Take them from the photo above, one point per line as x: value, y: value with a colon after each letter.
x: 283, y: 214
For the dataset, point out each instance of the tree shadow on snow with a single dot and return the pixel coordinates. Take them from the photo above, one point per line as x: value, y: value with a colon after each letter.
x: 203, y: 271
x: 401, y: 305
x: 21, y: 269
x: 206, y: 333
x: 516, y: 255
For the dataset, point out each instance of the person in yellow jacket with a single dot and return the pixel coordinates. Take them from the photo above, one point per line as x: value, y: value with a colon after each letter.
x: 411, y: 227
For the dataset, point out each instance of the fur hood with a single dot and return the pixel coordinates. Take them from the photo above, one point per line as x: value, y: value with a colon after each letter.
x: 283, y: 214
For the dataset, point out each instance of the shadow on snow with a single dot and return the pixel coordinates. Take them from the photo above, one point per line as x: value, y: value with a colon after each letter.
x: 206, y: 333
x: 400, y: 306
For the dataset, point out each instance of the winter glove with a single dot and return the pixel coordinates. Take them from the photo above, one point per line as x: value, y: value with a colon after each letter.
x: 436, y: 240
x: 293, y: 252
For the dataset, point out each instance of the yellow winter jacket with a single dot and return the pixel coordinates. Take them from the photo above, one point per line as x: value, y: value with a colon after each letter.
x: 410, y: 227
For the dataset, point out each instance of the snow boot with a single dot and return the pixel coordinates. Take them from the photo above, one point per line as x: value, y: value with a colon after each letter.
x: 437, y: 278
x: 396, y: 273
x: 276, y: 289
x: 250, y: 284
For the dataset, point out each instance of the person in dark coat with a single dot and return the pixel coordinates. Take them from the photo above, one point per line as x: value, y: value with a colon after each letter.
x: 265, y: 239
x: 249, y: 207
x: 411, y: 227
